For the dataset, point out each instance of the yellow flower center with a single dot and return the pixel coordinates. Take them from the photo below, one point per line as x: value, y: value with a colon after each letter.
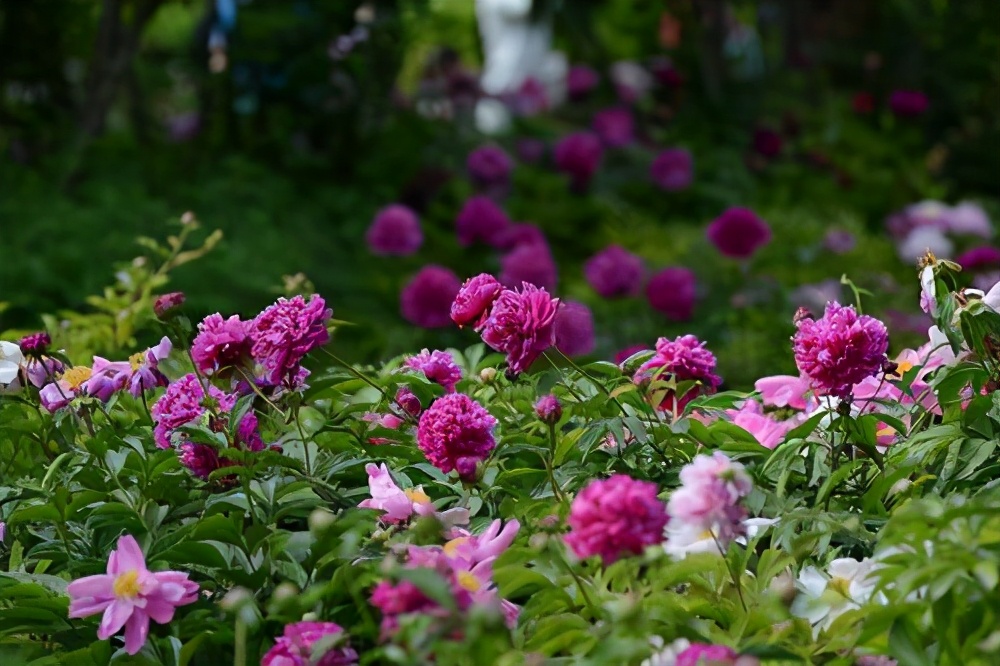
x: 841, y: 586
x: 76, y: 375
x: 417, y: 495
x: 127, y: 584
x: 136, y: 360
x: 468, y: 581
x: 451, y: 548
x: 887, y: 431
x: 901, y: 369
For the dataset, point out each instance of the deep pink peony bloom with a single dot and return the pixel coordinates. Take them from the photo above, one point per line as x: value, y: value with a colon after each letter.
x: 167, y: 303
x: 221, y: 343
x: 581, y: 81
x: 738, y: 233
x: 908, y: 103
x: 978, y: 258
x: 145, y: 365
x: 672, y: 292
x: 615, y: 517
x: 395, y: 232
x: 840, y: 349
x: 480, y: 220
x: 673, y: 169
x: 767, y: 142
x: 408, y: 400
x: 684, y: 359
x: 35, y: 344
x: 574, y: 329
x: 295, y: 647
x: 520, y: 234
x: 614, y: 126
x: 489, y: 166
x: 285, y: 332
x: 614, y: 272
x: 521, y: 325
x: 702, y: 654
x: 529, y: 263
x: 579, y: 155
x: 437, y: 366
x: 548, y: 409
x: 427, y: 298
x: 130, y: 595
x: 107, y: 378
x: 474, y: 299
x: 456, y: 433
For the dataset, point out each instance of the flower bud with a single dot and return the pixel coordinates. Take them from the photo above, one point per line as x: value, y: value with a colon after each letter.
x: 488, y: 375
x: 35, y: 344
x: 320, y: 519
x: 167, y: 303
x: 548, y: 409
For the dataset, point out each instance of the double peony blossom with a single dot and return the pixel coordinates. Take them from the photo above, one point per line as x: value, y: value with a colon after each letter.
x: 684, y: 359
x: 707, y: 505
x: 297, y: 646
x: 456, y: 433
x: 129, y: 595
x: 521, y: 325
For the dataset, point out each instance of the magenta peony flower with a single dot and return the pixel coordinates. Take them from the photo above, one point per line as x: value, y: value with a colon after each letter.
x: 35, y: 344
x: 130, y: 595
x: 684, y: 359
x: 521, y: 325
x: 408, y: 401
x: 295, y: 647
x: 285, y: 332
x: 474, y: 299
x: 405, y: 598
x: 672, y: 292
x: 581, y: 80
x: 43, y: 370
x: 200, y: 459
x: 702, y: 654
x: 673, y: 169
x: 221, y: 344
x: 908, y: 103
x: 395, y: 232
x: 456, y: 433
x: 615, y: 517
x: 840, y: 349
x: 614, y: 126
x: 180, y: 405
x: 578, y: 155
x: 529, y: 263
x: 427, y: 298
x: 437, y: 366
x: 167, y: 303
x: 738, y: 233
x: 107, y: 378
x: 480, y: 220
x: 574, y: 329
x: 548, y: 409
x: 489, y: 166
x: 978, y: 258
x: 614, y: 272
x: 767, y: 142
x: 531, y: 150
x: 146, y: 373
x: 519, y: 234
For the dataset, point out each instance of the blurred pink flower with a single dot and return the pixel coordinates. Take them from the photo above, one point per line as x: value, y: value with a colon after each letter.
x: 394, y: 232
x: 672, y: 292
x: 574, y: 329
x: 221, y: 343
x: 579, y: 155
x: 739, y: 233
x: 615, y: 272
x: 581, y: 80
x: 296, y: 647
x: 681, y: 360
x: 908, y: 103
x: 672, y: 169
x: 480, y: 220
x: 529, y: 263
x: 614, y: 126
x: 426, y: 299
x: 489, y: 165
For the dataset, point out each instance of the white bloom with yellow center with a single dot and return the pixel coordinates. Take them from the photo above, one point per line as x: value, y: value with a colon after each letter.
x: 823, y: 597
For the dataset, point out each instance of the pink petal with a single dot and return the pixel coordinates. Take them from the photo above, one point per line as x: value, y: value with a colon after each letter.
x: 136, y: 632
x: 88, y: 606
x: 100, y: 585
x: 130, y: 556
x: 160, y: 610
x: 115, y: 617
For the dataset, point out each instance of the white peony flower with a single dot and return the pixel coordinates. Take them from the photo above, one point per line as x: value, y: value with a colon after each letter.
x: 665, y: 656
x: 11, y: 360
x: 823, y: 597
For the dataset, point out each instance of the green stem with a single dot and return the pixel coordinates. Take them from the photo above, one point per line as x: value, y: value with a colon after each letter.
x: 550, y: 464
x: 600, y: 387
x: 732, y: 573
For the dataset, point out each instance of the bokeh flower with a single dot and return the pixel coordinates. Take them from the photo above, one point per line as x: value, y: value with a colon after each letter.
x: 574, y: 329
x: 480, y: 220
x: 581, y: 80
x: 739, y: 233
x: 681, y: 360
x: 426, y: 300
x: 529, y: 263
x: 672, y: 169
x: 614, y: 126
x: 579, y: 155
x: 394, y: 232
x: 489, y: 166
x: 671, y: 291
x: 297, y: 647
x: 615, y: 272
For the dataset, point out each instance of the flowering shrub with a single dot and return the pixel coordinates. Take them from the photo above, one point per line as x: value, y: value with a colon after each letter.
x: 236, y: 492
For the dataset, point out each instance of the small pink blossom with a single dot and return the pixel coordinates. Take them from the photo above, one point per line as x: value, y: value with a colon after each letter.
x: 396, y: 504
x: 296, y: 647
x: 684, y: 359
x: 614, y: 126
x: 474, y: 300
x: 437, y: 366
x: 579, y: 155
x: 145, y: 367
x: 548, y: 409
x: 481, y: 220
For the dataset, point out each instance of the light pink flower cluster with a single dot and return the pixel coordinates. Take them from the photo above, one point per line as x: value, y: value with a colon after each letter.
x: 129, y: 595
x: 615, y: 517
x: 296, y: 647
x: 520, y: 324
x: 437, y: 366
x: 681, y: 360
x: 456, y: 433
x: 708, y: 501
x: 284, y: 333
x: 840, y: 349
x: 399, y: 505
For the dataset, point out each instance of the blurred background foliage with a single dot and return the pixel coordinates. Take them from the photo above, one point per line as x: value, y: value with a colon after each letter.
x: 116, y: 116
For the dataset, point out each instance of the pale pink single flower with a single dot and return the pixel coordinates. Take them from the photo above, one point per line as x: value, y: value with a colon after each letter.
x: 783, y: 391
x: 130, y: 595
x: 397, y: 504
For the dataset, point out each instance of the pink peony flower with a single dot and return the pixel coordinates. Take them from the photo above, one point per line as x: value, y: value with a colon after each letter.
x: 840, y: 349
x: 396, y: 504
x: 389, y: 421
x: 614, y: 126
x: 614, y: 272
x: 489, y: 166
x: 395, y: 232
x: 578, y: 155
x: 767, y: 430
x: 978, y: 258
x: 221, y: 343
x: 145, y: 367
x: 672, y: 292
x: 615, y: 517
x: 168, y: 303
x: 521, y: 325
x: 426, y: 300
x: 456, y: 433
x: 107, y: 378
x: 908, y: 103
x: 520, y: 234
x: 284, y: 333
x: 296, y: 647
x: 574, y: 329
x: 581, y: 80
x: 681, y: 360
x: 673, y: 169
x: 437, y: 366
x: 783, y: 391
x: 480, y: 220
x: 35, y: 344
x: 739, y: 233
x: 474, y: 300
x: 709, y: 496
x: 702, y: 654
x: 130, y: 595
x: 548, y: 409
x: 57, y: 394
x: 529, y: 263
